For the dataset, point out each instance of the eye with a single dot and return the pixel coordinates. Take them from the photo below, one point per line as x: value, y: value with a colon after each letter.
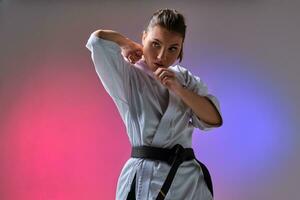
x: 173, y: 49
x: 155, y: 44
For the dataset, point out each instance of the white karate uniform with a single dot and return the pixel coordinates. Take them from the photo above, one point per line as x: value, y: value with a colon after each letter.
x: 153, y: 116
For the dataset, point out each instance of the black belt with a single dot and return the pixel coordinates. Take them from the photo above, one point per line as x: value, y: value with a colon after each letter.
x: 174, y: 157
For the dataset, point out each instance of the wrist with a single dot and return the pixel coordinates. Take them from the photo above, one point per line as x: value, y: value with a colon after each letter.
x: 180, y: 90
x: 123, y: 42
x: 113, y: 36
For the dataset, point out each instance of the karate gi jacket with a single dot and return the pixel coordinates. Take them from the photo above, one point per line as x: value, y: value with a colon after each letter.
x: 153, y: 116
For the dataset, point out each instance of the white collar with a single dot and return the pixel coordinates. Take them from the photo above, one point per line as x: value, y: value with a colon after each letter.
x: 141, y: 64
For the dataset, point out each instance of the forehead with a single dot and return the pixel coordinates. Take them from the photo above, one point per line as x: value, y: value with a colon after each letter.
x: 164, y: 35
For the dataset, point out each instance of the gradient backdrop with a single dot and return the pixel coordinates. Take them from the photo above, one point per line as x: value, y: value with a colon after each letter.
x: 61, y: 137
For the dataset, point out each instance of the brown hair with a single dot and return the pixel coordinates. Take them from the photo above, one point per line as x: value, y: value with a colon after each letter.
x: 172, y: 20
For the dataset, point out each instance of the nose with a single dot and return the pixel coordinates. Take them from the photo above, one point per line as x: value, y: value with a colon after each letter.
x: 162, y: 55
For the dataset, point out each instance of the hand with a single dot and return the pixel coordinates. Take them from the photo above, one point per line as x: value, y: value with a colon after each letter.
x: 168, y: 78
x: 132, y: 51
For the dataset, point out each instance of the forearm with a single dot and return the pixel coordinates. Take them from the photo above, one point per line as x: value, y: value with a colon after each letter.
x: 203, y: 108
x: 114, y: 36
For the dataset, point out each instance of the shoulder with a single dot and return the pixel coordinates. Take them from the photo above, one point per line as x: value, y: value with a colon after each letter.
x: 182, y: 70
x: 182, y: 73
x: 178, y: 68
x: 187, y: 78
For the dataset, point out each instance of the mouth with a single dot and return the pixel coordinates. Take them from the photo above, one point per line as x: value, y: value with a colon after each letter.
x: 158, y: 65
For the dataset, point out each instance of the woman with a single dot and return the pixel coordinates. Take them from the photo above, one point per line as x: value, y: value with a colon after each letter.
x: 160, y: 105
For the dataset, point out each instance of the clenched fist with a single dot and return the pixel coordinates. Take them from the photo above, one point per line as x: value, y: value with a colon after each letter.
x: 167, y: 78
x: 132, y: 51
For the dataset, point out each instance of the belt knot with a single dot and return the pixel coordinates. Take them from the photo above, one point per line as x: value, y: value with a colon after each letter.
x: 177, y: 154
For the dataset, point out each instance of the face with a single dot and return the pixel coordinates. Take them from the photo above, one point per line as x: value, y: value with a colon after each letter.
x: 161, y: 47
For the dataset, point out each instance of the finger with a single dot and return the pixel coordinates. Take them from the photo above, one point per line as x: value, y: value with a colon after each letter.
x: 158, y: 71
x: 160, y: 75
x: 134, y: 59
x: 165, y: 70
x: 165, y: 80
x: 129, y: 58
x: 165, y: 74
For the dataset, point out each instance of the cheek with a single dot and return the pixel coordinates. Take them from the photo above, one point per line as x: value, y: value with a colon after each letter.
x: 173, y: 56
x: 149, y: 52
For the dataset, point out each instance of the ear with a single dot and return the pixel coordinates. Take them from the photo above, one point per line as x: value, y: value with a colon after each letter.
x: 144, y: 37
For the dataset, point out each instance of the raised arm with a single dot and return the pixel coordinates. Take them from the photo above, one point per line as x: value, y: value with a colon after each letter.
x: 130, y: 49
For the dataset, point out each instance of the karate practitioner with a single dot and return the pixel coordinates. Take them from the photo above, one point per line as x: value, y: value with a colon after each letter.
x: 160, y: 105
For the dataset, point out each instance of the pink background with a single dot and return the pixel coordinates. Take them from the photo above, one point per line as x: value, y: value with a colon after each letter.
x: 61, y: 137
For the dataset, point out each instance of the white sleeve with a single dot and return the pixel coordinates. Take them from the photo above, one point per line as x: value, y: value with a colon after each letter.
x: 111, y: 67
x: 196, y: 85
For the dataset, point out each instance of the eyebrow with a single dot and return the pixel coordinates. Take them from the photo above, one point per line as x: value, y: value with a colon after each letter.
x: 176, y: 44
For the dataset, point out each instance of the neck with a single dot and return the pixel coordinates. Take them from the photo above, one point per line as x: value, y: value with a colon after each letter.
x: 149, y: 67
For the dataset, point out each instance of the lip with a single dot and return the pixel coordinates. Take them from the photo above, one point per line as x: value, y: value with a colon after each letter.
x: 158, y: 64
